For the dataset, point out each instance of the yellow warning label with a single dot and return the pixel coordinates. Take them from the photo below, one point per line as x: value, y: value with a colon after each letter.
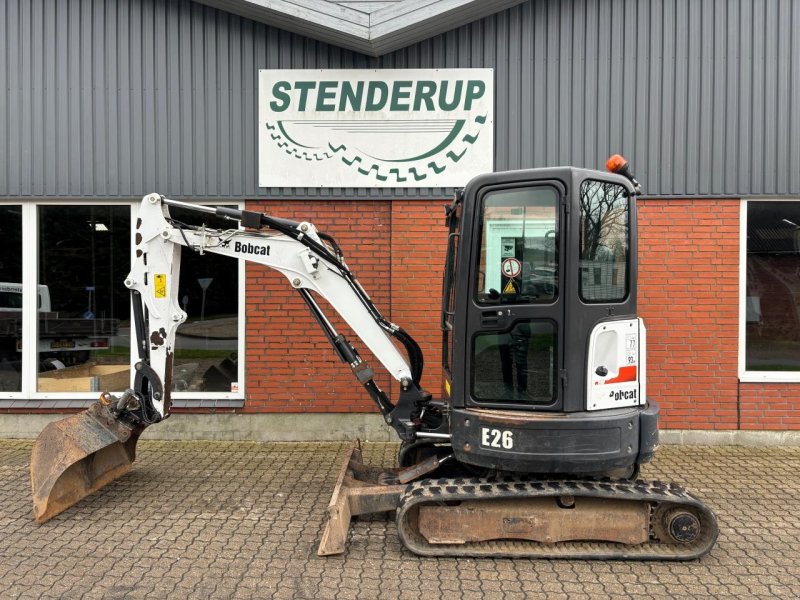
x: 160, y: 285
x: 447, y: 386
x: 510, y: 288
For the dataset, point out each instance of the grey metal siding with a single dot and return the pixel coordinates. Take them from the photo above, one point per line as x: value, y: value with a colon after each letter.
x: 116, y: 98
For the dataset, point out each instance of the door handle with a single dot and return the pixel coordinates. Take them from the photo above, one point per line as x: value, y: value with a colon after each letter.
x: 490, y: 318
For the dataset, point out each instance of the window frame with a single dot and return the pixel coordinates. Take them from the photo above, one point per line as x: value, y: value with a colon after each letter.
x: 482, y: 231
x: 628, y: 242
x: 448, y: 312
x: 29, y: 396
x: 746, y: 376
x: 514, y: 404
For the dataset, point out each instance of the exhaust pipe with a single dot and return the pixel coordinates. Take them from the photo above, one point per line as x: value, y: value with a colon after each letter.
x: 77, y: 456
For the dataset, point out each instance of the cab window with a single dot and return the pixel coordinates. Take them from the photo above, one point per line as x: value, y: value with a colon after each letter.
x: 604, y: 241
x: 518, y: 259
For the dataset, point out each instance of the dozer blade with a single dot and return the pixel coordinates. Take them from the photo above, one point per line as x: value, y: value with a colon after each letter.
x: 359, y: 490
x: 78, y: 455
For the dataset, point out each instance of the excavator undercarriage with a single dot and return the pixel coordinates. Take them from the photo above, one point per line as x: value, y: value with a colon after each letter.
x: 516, y: 516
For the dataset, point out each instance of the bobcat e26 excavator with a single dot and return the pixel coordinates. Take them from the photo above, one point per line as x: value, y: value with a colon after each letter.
x: 535, y: 446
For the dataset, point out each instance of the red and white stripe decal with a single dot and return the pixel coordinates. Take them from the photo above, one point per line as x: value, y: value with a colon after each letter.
x: 625, y: 374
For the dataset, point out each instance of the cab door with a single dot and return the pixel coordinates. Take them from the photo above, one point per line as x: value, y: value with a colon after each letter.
x: 515, y: 315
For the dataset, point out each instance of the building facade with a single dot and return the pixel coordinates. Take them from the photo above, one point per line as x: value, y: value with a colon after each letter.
x: 102, y: 102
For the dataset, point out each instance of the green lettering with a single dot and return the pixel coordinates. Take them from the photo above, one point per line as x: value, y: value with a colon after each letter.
x: 279, y: 91
x: 351, y: 96
x: 424, y: 92
x: 304, y: 87
x: 399, y: 94
x: 327, y: 91
x: 475, y: 90
x: 372, y: 89
x: 443, y: 103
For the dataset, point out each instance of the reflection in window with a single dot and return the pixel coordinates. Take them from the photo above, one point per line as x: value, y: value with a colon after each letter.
x: 519, y: 247
x: 207, y: 344
x: 604, y: 241
x: 772, y: 298
x: 84, y: 309
x: 515, y: 366
x: 11, y: 299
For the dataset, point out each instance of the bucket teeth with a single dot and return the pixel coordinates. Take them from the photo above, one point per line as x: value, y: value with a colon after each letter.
x: 79, y: 455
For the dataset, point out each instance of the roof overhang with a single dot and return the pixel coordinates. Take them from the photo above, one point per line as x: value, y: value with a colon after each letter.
x: 387, y: 29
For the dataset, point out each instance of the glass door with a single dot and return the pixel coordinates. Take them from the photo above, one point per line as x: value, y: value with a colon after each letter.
x: 515, y: 317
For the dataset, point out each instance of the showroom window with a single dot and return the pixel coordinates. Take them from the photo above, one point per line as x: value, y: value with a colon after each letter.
x: 83, y: 327
x: 11, y: 298
x: 65, y: 314
x: 770, y: 291
x: 207, y: 344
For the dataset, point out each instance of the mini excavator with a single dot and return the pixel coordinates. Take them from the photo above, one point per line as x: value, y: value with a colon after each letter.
x: 533, y: 449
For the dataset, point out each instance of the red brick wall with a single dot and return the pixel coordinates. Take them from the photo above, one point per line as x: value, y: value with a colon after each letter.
x: 419, y: 245
x: 688, y: 295
x: 396, y: 250
x: 773, y: 406
x: 689, y: 298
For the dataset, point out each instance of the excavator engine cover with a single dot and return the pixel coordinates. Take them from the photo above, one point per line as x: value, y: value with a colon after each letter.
x: 78, y: 455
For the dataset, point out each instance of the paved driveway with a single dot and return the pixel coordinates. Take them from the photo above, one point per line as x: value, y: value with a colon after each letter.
x: 242, y: 520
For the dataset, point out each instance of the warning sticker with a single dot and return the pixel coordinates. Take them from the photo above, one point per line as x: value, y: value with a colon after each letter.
x: 511, y: 267
x: 631, y: 348
x: 510, y: 287
x: 160, y: 285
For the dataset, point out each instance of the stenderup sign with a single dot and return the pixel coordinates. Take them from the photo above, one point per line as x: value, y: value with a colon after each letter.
x: 375, y: 128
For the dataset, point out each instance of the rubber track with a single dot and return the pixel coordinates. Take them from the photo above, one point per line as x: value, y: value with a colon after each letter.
x: 654, y: 493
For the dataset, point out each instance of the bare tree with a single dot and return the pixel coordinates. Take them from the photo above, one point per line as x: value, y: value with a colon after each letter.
x: 604, y: 222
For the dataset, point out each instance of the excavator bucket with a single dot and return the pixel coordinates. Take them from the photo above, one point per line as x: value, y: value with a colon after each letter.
x: 78, y: 455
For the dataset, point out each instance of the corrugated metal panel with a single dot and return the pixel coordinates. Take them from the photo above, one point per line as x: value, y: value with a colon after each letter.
x: 116, y: 98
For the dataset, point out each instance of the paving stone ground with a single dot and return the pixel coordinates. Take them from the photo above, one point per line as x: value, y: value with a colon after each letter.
x: 242, y: 520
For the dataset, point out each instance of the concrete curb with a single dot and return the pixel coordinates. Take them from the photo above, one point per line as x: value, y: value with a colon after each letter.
x: 333, y: 427
x: 693, y: 437
x: 288, y: 427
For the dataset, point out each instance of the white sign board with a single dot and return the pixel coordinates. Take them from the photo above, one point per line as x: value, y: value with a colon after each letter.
x: 375, y: 128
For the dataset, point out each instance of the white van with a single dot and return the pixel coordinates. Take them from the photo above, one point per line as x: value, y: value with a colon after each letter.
x: 71, y: 340
x: 11, y: 297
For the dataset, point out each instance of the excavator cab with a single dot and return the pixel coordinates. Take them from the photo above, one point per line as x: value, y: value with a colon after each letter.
x: 543, y: 352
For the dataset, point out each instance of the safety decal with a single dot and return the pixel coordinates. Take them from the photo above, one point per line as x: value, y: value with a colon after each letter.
x: 510, y: 287
x: 631, y: 348
x: 160, y: 285
x: 512, y: 267
x: 625, y: 374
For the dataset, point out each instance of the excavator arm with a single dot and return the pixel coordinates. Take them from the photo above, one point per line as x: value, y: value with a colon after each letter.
x: 78, y: 455
x: 313, y: 265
